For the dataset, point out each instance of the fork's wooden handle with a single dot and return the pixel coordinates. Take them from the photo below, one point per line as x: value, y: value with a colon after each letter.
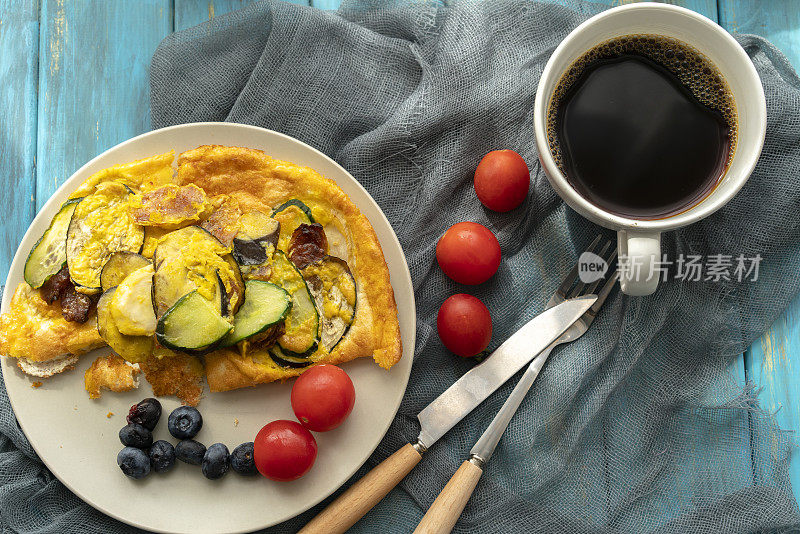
x: 446, y: 509
x: 362, y: 496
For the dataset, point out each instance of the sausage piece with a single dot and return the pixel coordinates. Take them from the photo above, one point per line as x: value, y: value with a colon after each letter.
x: 308, y: 244
x: 54, y: 288
x: 76, y: 306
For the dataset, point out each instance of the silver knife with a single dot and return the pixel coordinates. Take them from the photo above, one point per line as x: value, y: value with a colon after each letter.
x: 446, y: 411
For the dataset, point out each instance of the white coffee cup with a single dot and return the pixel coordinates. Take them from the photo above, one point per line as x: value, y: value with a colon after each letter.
x: 640, y: 240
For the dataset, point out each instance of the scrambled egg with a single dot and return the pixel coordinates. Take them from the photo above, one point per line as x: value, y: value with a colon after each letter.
x: 333, y: 275
x: 36, y: 331
x: 203, y: 258
x: 289, y: 218
x: 140, y: 174
x: 152, y: 236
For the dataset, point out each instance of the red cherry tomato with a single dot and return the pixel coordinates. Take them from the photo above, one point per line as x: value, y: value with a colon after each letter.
x: 502, y: 180
x: 323, y: 397
x: 468, y: 253
x: 465, y: 325
x: 284, y: 450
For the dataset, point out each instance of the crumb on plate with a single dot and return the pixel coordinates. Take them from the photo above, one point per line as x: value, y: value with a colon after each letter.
x: 110, y: 372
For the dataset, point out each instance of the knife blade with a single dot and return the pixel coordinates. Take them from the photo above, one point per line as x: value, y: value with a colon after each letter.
x: 448, y: 409
x: 475, y: 385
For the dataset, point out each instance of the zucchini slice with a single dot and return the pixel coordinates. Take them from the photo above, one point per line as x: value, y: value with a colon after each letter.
x: 293, y: 202
x: 172, y: 281
x: 135, y: 349
x: 119, y: 266
x: 290, y: 215
x: 100, y: 225
x: 132, y: 306
x: 265, y: 305
x: 49, y: 254
x: 192, y: 259
x: 301, y: 334
x: 333, y: 288
x: 171, y: 244
x: 193, y: 324
x: 256, y: 239
x: 284, y: 360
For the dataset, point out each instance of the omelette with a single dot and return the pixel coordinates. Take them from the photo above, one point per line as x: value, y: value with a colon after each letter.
x: 236, y: 267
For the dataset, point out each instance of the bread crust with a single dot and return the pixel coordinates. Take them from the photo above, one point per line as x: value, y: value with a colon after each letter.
x: 37, y: 331
x: 257, y: 181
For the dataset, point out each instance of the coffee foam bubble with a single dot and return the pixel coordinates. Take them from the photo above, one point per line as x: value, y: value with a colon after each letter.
x: 692, y: 68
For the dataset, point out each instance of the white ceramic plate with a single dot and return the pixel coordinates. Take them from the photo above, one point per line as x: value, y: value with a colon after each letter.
x: 75, y: 439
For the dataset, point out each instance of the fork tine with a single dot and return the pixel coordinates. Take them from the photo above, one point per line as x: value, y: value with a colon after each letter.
x: 603, y: 294
x: 573, y: 274
x: 610, y: 260
x: 580, y: 287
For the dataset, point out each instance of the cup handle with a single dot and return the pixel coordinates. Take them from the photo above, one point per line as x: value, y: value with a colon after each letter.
x: 639, y: 254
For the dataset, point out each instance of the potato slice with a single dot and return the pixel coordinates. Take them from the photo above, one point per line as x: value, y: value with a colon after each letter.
x: 135, y: 349
x: 132, y: 304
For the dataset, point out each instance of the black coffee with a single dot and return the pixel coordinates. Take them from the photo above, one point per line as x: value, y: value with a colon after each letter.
x: 642, y: 126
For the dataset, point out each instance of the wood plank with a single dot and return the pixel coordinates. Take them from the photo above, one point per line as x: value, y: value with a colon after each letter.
x: 190, y: 13
x: 776, y: 20
x: 93, y: 80
x: 19, y: 41
x: 704, y: 7
x: 774, y: 365
x: 773, y: 362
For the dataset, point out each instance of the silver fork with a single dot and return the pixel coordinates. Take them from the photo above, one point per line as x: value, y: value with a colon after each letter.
x: 444, y: 511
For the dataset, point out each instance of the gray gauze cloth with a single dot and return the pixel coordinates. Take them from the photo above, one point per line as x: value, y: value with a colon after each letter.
x: 636, y: 427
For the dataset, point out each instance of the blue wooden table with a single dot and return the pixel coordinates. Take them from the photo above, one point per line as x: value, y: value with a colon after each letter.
x: 73, y: 82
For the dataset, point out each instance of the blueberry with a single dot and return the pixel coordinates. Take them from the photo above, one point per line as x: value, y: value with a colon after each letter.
x: 133, y: 462
x: 190, y: 451
x: 162, y: 456
x: 185, y: 422
x: 146, y: 413
x: 242, y: 460
x: 215, y: 462
x: 134, y: 435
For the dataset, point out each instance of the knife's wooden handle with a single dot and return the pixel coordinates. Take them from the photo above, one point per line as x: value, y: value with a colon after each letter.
x: 446, y: 509
x: 362, y: 496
